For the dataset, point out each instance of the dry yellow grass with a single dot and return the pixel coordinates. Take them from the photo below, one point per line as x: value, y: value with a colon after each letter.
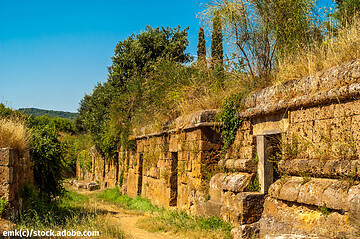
x: 335, y: 51
x: 13, y: 134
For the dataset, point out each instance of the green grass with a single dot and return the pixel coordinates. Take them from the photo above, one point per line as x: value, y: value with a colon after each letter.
x: 114, y: 195
x: 70, y: 212
x: 169, y: 220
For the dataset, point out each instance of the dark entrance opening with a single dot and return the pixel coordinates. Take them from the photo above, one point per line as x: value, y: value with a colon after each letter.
x: 140, y: 174
x: 273, y: 154
x: 174, y: 179
x: 269, y: 153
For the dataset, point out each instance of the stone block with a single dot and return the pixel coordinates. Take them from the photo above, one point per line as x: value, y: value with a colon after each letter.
x: 325, y: 112
x: 353, y: 204
x: 335, y: 195
x: 242, y: 208
x: 246, y: 231
x: 6, y: 174
x: 251, y: 205
x: 7, y: 157
x: 274, y: 189
x: 213, y: 208
x: 236, y: 182
x: 242, y: 165
x: 290, y: 189
x: 300, y: 221
x: 215, y: 189
x: 93, y: 186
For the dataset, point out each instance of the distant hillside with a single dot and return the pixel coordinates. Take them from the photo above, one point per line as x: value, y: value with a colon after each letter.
x: 51, y: 113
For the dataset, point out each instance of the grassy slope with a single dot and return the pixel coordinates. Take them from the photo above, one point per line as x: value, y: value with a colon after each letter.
x: 51, y: 113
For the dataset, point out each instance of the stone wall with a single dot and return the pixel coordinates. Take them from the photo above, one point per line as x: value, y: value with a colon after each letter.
x: 311, y: 188
x: 15, y: 173
x: 172, y: 167
x: 292, y: 171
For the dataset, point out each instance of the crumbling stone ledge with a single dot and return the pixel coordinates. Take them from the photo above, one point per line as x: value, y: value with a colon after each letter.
x: 335, y: 194
x: 321, y: 168
x: 345, y: 93
x: 336, y: 84
x: 204, y: 118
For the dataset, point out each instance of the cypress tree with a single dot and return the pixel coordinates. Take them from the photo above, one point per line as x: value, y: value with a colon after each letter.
x: 216, y: 42
x: 201, y: 48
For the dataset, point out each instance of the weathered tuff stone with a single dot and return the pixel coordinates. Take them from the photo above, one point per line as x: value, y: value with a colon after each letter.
x: 353, y: 202
x: 318, y: 168
x: 312, y: 191
x: 233, y: 182
x: 93, y: 186
x: 290, y: 190
x: 215, y: 189
x: 236, y: 182
x: 293, y: 219
x: 242, y: 208
x: 241, y: 165
x: 213, y: 208
x: 246, y: 231
x: 7, y: 157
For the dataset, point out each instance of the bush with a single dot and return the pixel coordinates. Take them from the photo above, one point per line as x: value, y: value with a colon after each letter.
x: 46, y: 154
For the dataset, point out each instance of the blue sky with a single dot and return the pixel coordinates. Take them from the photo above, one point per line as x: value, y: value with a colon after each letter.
x: 53, y: 52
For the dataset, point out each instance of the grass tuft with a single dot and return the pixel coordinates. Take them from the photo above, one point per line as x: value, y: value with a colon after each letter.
x: 114, y: 195
x: 343, y: 47
x: 14, y: 134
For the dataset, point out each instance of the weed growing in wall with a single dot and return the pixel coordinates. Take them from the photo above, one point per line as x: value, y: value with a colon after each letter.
x: 3, y: 204
x: 228, y: 116
x: 254, y: 185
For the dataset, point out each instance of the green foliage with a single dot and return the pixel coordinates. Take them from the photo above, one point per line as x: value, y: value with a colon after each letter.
x: 69, y: 212
x: 140, y: 204
x: 51, y: 113
x: 227, y: 116
x: 107, y: 113
x: 254, y: 185
x: 3, y: 204
x: 324, y: 210
x: 6, y: 112
x: 217, y: 42
x: 293, y: 26
x: 60, y: 124
x: 261, y: 30
x: 201, y: 47
x: 346, y: 10
x: 177, y: 221
x: 46, y: 154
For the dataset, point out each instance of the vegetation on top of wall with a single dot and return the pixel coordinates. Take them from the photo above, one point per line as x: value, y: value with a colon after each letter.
x: 274, y: 41
x: 229, y: 118
x: 330, y: 147
x: 14, y: 134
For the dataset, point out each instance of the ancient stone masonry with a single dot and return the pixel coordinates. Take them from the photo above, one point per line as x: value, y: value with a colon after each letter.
x: 311, y: 183
x: 172, y: 167
x: 15, y: 173
x: 293, y: 168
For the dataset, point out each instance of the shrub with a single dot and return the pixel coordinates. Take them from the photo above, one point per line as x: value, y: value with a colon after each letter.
x: 46, y: 153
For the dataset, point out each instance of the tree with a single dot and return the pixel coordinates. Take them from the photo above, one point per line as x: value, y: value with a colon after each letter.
x: 106, y: 114
x: 346, y: 10
x: 217, y: 41
x: 201, y: 47
x: 262, y: 30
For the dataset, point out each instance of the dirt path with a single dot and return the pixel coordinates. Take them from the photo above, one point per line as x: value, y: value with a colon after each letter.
x: 125, y: 219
